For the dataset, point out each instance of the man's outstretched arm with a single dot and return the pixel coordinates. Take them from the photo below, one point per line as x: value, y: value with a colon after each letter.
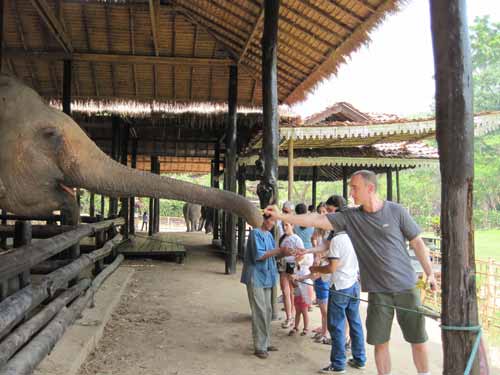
x: 305, y: 220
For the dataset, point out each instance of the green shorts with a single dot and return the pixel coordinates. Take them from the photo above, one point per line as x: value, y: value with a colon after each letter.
x: 379, y: 317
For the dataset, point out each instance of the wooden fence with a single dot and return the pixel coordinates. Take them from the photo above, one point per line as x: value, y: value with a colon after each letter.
x: 36, y: 310
x: 487, y: 284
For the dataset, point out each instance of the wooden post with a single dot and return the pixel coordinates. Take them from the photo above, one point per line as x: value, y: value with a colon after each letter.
x: 67, y: 87
x: 455, y: 137
x: 22, y: 236
x: 152, y: 202
x: 231, y: 167
x: 3, y: 240
x: 125, y: 130
x: 267, y: 189
x: 389, y: 183
x: 345, y: 193
x: 103, y: 206
x: 314, y: 185
x: 398, y: 197
x: 157, y: 200
x: 115, y: 154
x: 241, y: 221
x: 290, y: 169
x: 92, y: 205
x: 1, y: 34
x: 133, y: 164
x: 217, y: 186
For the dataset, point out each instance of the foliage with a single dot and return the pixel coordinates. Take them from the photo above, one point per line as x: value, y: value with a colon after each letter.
x: 485, y: 46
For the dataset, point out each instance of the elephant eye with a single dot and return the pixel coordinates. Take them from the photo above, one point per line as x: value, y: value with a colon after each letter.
x: 50, y: 132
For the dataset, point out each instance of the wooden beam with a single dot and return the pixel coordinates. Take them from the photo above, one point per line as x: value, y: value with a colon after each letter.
x: 345, y: 185
x: 117, y: 58
x: 87, y: 39
x: 389, y: 184
x: 154, y: 13
x: 174, y: 36
x: 53, y: 24
x: 257, y: 24
x: 20, y: 30
x: 2, y: 12
x: 455, y: 138
x: 254, y: 91
x: 132, y: 46
x: 107, y: 9
x: 66, y: 97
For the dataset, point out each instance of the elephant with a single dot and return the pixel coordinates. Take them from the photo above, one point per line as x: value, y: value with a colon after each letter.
x: 207, y: 219
x: 45, y: 155
x: 192, y: 215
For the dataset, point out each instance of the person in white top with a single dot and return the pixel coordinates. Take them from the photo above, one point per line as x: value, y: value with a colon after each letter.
x: 287, y: 266
x: 343, y: 302
x: 303, y: 292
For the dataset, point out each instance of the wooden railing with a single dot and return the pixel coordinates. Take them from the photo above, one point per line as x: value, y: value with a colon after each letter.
x: 487, y: 287
x: 27, y: 332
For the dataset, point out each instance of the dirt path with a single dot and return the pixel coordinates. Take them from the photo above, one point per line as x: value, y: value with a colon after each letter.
x: 192, y: 319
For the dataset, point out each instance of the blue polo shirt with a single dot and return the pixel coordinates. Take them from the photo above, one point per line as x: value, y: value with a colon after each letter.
x: 259, y: 273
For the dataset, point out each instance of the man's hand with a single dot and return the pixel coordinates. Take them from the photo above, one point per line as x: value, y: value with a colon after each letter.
x: 300, y: 252
x: 272, y: 211
x: 431, y: 280
x: 314, y: 269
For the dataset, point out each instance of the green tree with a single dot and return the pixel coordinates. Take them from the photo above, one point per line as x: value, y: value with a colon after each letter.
x: 485, y: 46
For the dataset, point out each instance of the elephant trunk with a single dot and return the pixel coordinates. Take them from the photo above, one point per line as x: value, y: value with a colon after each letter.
x: 103, y: 175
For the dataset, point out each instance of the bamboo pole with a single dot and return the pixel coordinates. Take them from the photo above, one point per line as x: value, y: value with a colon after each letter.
x: 26, y: 360
x: 23, y: 333
x: 290, y: 169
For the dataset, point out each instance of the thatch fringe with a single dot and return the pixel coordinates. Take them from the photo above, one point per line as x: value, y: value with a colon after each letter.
x: 340, y: 55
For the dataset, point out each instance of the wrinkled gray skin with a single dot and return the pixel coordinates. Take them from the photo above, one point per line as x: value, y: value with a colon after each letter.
x: 192, y: 216
x: 44, y: 154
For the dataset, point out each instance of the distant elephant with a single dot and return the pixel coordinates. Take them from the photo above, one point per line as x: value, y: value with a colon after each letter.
x: 207, y: 219
x: 192, y: 216
x: 44, y: 154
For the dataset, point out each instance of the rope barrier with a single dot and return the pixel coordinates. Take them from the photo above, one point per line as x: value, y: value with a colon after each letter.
x: 426, y: 311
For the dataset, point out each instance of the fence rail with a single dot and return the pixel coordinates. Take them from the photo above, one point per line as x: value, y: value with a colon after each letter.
x: 487, y: 287
x: 28, y: 329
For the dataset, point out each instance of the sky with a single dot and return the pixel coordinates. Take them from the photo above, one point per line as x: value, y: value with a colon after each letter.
x: 394, y: 73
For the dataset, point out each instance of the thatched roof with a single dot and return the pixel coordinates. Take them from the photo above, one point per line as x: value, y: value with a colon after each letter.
x: 180, y: 50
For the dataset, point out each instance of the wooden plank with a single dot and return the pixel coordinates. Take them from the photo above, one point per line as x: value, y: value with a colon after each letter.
x: 154, y: 13
x: 53, y: 24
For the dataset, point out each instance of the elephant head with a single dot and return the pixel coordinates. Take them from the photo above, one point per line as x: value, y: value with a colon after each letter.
x: 44, y: 154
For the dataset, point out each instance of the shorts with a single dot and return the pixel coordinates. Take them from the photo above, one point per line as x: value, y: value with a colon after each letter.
x: 300, y: 303
x: 379, y: 318
x: 322, y: 289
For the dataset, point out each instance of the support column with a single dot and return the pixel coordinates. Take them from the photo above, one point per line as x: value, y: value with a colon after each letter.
x: 455, y: 137
x: 92, y: 205
x: 66, y: 102
x: 267, y: 190
x: 389, y: 183
x: 314, y: 185
x: 103, y: 206
x: 290, y: 169
x: 152, y: 202
x: 217, y: 186
x: 3, y: 239
x: 231, y: 167
x: 23, y: 235
x: 345, y: 192
x: 241, y: 221
x: 157, y: 200
x: 398, y: 197
x: 125, y: 130
x: 115, y: 154
x: 133, y: 164
x: 1, y: 33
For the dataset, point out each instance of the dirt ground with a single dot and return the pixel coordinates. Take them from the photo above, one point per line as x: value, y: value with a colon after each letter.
x: 192, y: 319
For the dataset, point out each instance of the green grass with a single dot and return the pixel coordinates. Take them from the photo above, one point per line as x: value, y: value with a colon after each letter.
x: 487, y: 243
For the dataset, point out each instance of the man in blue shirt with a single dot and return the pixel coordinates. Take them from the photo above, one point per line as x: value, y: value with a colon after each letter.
x: 260, y: 275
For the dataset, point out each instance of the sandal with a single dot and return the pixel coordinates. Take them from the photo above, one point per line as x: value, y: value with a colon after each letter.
x: 287, y: 323
x: 323, y: 340
x: 304, y: 332
x: 293, y: 331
